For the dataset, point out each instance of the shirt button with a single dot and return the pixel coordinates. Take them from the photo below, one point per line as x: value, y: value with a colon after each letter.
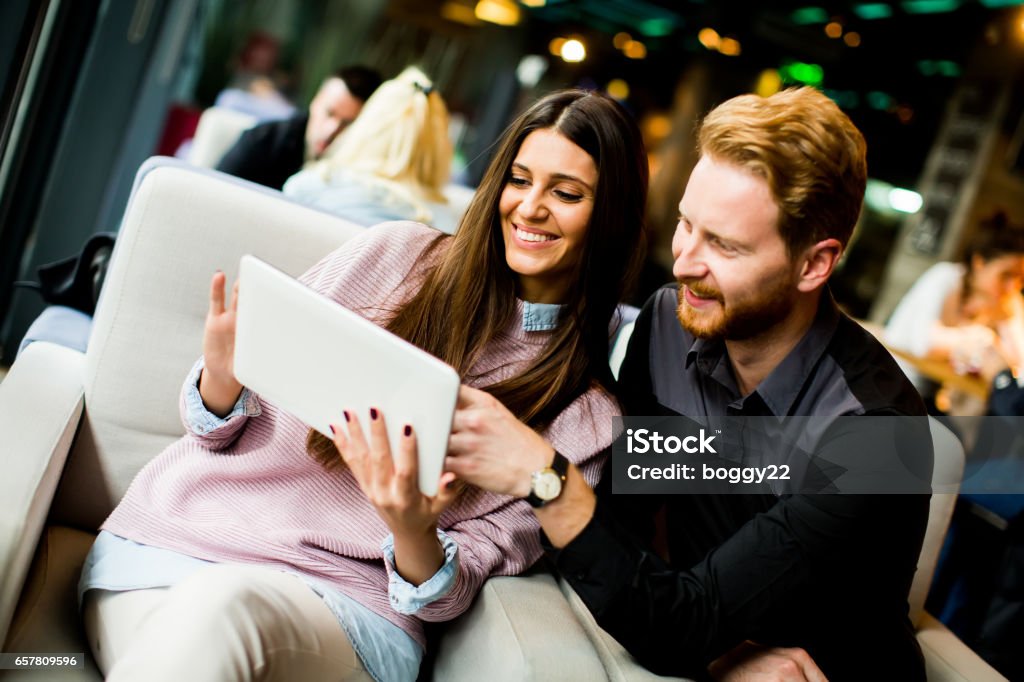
x: 580, y: 576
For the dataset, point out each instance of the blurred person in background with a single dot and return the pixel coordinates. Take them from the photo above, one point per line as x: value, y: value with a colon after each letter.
x: 254, y: 88
x: 391, y: 164
x: 269, y: 153
x: 965, y: 312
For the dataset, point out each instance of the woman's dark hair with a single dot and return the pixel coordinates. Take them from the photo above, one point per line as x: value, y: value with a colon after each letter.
x: 996, y: 236
x: 469, y: 297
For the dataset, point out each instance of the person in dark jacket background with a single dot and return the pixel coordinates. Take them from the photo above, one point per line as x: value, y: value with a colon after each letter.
x: 272, y: 152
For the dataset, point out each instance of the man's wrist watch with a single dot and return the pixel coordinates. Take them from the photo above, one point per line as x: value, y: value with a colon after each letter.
x: 547, y: 484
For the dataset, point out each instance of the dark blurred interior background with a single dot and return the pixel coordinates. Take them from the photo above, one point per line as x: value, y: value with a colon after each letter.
x: 90, y: 88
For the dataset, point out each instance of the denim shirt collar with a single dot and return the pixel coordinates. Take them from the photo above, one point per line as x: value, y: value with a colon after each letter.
x: 540, y: 317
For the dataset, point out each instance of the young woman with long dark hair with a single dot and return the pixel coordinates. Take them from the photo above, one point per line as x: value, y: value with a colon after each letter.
x: 254, y: 547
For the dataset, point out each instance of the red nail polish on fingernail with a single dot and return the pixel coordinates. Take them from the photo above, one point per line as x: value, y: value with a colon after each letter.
x: 408, y: 430
x: 348, y: 417
x: 332, y: 428
x: 373, y: 413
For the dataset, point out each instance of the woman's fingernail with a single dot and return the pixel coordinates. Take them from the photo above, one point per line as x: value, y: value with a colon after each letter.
x: 408, y: 430
x: 348, y: 418
x: 332, y: 429
x: 373, y: 413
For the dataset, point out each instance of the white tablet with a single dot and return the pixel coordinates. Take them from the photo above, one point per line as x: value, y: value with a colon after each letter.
x: 314, y: 358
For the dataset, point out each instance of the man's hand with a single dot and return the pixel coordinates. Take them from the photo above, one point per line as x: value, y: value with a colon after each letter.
x: 490, y: 448
x: 751, y: 662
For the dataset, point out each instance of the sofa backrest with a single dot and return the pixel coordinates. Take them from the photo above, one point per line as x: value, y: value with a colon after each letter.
x: 181, y: 225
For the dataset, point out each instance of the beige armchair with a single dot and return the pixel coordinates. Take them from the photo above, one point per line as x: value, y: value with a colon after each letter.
x: 75, y: 428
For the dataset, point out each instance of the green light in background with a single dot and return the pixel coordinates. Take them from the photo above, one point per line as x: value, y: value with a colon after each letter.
x: 942, y: 67
x: 995, y: 4
x: 809, y: 15
x: 656, y: 28
x: 905, y: 200
x: 800, y: 72
x: 873, y: 10
x: 879, y: 100
x: 929, y: 6
x: 884, y: 198
x: 876, y: 195
x: 846, y: 99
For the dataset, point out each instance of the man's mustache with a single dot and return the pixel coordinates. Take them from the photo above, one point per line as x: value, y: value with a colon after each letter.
x: 701, y: 290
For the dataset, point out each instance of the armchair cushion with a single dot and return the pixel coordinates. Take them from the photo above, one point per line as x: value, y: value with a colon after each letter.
x: 947, y: 659
x: 518, y: 629
x: 619, y: 665
x: 40, y: 406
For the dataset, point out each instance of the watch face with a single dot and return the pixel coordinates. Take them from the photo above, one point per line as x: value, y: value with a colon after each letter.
x: 547, y: 484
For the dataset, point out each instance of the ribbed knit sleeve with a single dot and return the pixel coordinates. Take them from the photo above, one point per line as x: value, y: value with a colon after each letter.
x: 213, y: 432
x: 352, y: 275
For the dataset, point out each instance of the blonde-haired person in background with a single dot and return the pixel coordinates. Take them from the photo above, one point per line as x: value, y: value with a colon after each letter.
x: 390, y: 164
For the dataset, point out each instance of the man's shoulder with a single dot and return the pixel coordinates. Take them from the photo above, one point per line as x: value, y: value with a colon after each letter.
x: 279, y: 131
x: 870, y: 372
x: 660, y: 313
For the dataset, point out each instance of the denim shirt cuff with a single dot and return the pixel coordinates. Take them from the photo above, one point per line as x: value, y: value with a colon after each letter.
x: 407, y: 598
x: 200, y: 419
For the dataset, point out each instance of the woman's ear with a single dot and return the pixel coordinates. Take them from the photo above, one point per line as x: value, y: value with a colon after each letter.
x: 818, y: 261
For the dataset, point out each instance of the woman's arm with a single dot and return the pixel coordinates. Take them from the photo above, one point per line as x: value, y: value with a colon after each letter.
x: 217, y: 384
x: 1011, y: 334
x: 214, y: 405
x: 391, y: 484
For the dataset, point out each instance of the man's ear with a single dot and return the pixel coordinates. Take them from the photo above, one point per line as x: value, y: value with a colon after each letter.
x: 817, y: 263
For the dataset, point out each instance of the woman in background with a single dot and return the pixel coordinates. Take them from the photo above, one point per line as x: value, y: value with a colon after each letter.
x: 390, y: 164
x: 964, y: 312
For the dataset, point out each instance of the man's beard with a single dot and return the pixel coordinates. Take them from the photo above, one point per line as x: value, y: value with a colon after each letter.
x: 744, y: 318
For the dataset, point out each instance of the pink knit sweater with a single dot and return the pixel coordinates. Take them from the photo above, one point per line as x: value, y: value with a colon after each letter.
x: 247, y: 492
